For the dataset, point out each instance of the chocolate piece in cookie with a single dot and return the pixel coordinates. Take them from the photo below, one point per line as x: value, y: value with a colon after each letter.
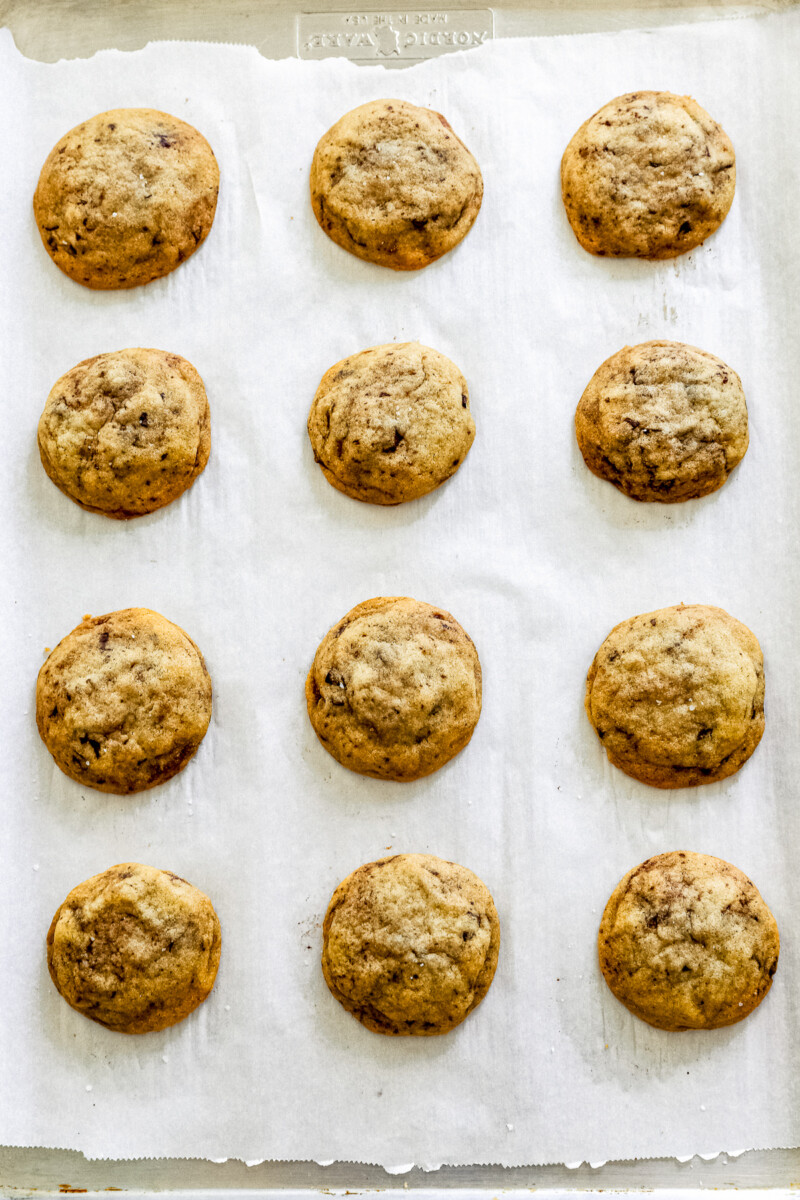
x: 650, y: 175
x: 677, y: 695
x: 394, y: 185
x: 663, y: 421
x: 125, y: 433
x: 135, y: 949
x: 410, y: 944
x: 123, y: 701
x: 126, y: 197
x: 392, y: 423
x: 395, y: 689
x: 686, y: 942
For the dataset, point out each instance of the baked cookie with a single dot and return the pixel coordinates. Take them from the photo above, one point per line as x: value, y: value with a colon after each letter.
x: 395, y: 689
x: 663, y: 421
x: 650, y: 175
x: 686, y: 942
x: 135, y: 949
x: 123, y: 434
x: 123, y: 701
x: 126, y: 197
x: 392, y: 423
x: 392, y: 184
x: 677, y: 695
x: 410, y: 944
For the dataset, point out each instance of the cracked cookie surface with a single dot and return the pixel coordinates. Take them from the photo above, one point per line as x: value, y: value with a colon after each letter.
x: 394, y: 185
x: 125, y: 433
x: 663, y: 422
x: 134, y: 948
x: 125, y: 197
x: 677, y: 695
x: 395, y: 689
x: 650, y: 175
x: 410, y: 944
x: 392, y: 423
x: 123, y: 701
x: 686, y: 942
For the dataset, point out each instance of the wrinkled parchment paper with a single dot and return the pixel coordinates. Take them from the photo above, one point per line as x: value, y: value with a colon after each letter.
x: 533, y: 555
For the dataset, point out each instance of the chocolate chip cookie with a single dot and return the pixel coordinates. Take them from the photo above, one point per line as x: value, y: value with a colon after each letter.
x: 394, y: 185
x: 395, y: 689
x: 126, y: 197
x: 410, y: 944
x: 650, y: 175
x: 663, y: 421
x: 392, y: 423
x: 135, y: 949
x: 686, y: 942
x: 123, y: 701
x: 125, y: 433
x: 677, y: 695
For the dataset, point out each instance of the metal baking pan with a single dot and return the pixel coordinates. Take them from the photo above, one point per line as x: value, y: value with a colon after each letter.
x: 47, y: 30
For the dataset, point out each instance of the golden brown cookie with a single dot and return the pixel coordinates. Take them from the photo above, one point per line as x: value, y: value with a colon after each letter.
x: 650, y: 175
x: 663, y: 421
x: 395, y: 689
x: 686, y: 942
x: 394, y: 185
x: 677, y: 695
x: 135, y: 949
x: 391, y: 423
x: 125, y: 433
x: 126, y: 197
x: 410, y: 944
x: 123, y: 701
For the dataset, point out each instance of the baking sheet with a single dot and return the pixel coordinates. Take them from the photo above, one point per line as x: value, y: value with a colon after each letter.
x: 534, y: 556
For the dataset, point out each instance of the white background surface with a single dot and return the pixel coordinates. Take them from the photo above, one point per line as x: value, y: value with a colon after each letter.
x: 533, y: 555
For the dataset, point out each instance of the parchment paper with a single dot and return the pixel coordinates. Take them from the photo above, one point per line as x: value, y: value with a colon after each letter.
x: 533, y: 555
